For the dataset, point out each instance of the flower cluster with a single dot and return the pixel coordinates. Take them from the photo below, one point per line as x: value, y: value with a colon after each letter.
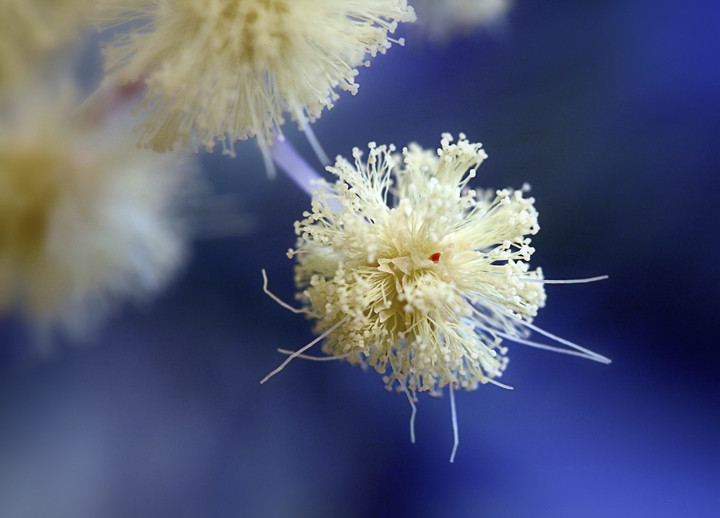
x: 420, y: 276
x: 232, y: 68
x: 86, y: 218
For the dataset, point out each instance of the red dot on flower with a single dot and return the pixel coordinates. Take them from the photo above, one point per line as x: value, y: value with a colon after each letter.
x: 435, y: 257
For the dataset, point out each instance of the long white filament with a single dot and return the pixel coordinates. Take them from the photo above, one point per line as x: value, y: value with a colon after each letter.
x: 315, y: 358
x: 498, y: 384
x: 569, y: 281
x: 268, y: 162
x: 276, y: 298
x: 593, y: 355
x: 312, y: 139
x: 412, y: 415
x: 453, y: 412
x: 302, y: 350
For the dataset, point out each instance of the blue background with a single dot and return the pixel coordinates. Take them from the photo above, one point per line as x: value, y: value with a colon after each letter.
x: 611, y: 110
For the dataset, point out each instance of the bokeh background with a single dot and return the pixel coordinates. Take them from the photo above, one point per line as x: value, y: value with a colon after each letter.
x: 611, y: 111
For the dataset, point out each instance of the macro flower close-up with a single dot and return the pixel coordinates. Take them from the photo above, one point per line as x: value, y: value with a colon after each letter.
x: 203, y: 315
x: 232, y: 69
x: 423, y: 275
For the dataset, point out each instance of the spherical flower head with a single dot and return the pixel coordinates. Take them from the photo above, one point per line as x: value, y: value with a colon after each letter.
x: 232, y: 68
x: 441, y: 20
x: 422, y: 275
x: 86, y: 218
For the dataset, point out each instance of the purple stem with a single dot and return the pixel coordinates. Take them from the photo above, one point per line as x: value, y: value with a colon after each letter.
x: 295, y: 166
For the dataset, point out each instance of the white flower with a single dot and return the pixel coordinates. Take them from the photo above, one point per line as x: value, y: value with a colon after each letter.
x: 86, y: 218
x: 232, y: 68
x: 410, y: 271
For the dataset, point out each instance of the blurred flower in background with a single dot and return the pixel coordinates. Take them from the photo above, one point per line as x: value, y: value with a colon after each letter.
x: 32, y: 32
x: 86, y: 218
x: 231, y: 69
x: 440, y: 20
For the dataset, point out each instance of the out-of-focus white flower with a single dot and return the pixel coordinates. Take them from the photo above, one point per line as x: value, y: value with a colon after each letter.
x: 32, y: 30
x: 418, y: 273
x: 86, y: 218
x: 232, y: 68
x: 442, y: 19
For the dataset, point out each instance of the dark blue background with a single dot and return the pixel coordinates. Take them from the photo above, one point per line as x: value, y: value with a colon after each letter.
x: 611, y: 110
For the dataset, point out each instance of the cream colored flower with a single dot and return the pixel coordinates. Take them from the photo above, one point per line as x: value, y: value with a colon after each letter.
x: 232, y: 68
x: 422, y: 276
x: 406, y: 269
x: 442, y: 19
x: 86, y: 218
x: 33, y: 30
